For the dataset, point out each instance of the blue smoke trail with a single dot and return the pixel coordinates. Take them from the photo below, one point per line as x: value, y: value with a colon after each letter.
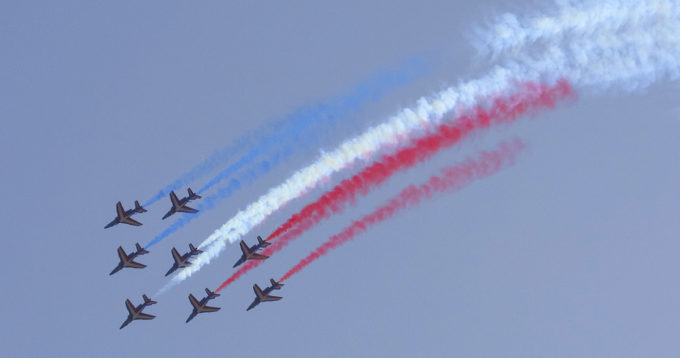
x: 207, y: 203
x: 296, y: 127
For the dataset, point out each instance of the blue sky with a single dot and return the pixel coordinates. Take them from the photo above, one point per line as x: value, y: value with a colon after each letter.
x: 572, y: 252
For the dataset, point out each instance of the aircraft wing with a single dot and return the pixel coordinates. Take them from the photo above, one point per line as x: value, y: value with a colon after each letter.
x: 141, y: 315
x: 130, y: 307
x: 130, y: 221
x: 122, y: 254
x: 176, y: 256
x: 174, y: 200
x: 134, y: 264
x: 210, y: 309
x: 186, y: 209
x: 194, y: 302
x: 119, y: 210
x: 255, y: 256
x: 270, y: 298
x: 244, y: 248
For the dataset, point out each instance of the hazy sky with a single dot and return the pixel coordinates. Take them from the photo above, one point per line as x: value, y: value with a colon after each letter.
x: 570, y: 253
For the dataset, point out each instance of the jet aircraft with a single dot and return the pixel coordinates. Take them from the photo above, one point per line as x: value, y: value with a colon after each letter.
x: 136, y: 312
x: 250, y: 253
x: 183, y: 260
x: 181, y: 205
x: 125, y: 216
x: 264, y: 296
x: 200, y: 307
x: 128, y: 260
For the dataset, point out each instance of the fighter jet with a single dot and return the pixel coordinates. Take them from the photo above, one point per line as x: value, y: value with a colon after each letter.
x: 250, y: 253
x: 136, y: 312
x: 200, y: 307
x: 182, y: 261
x: 125, y: 216
x: 181, y: 205
x: 264, y: 296
x: 128, y: 260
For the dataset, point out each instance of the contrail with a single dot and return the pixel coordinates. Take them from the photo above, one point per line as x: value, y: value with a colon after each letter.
x: 630, y: 59
x: 528, y: 98
x: 302, y: 129
x: 451, y: 178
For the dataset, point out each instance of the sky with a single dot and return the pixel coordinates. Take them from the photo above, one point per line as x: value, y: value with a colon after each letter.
x: 570, y: 252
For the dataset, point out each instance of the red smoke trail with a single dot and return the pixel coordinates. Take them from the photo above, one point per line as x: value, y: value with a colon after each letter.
x: 245, y: 268
x: 451, y: 178
x: 529, y: 97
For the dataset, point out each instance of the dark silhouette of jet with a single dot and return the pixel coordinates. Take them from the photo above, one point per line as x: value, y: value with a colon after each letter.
x: 136, y: 312
x: 264, y: 296
x: 200, y: 307
x: 182, y: 261
x: 250, y: 253
x: 124, y: 217
x: 128, y: 260
x: 180, y: 206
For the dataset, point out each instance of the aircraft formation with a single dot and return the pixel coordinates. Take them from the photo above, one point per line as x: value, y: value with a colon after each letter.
x: 183, y: 260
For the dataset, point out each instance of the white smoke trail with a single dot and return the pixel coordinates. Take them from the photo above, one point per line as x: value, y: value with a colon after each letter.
x: 622, y: 48
x: 572, y: 19
x: 598, y: 44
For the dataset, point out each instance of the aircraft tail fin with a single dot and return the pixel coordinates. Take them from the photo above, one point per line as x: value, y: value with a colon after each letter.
x: 140, y: 249
x: 261, y: 242
x: 211, y: 294
x: 193, y: 195
x: 148, y: 301
x: 194, y: 250
x: 275, y: 284
x: 139, y: 208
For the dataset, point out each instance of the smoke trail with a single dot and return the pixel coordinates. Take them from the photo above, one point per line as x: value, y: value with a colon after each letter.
x: 299, y: 130
x: 406, y: 123
x: 286, y: 143
x: 572, y: 19
x: 247, y: 177
x: 530, y: 97
x: 451, y: 178
x: 599, y: 44
x: 631, y: 59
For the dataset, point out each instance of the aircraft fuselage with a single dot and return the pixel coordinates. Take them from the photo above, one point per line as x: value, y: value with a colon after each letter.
x: 180, y: 205
x: 254, y: 248
x: 184, y: 262
x: 122, y: 263
x: 200, y: 308
x: 257, y: 301
x: 136, y: 314
x: 116, y: 221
